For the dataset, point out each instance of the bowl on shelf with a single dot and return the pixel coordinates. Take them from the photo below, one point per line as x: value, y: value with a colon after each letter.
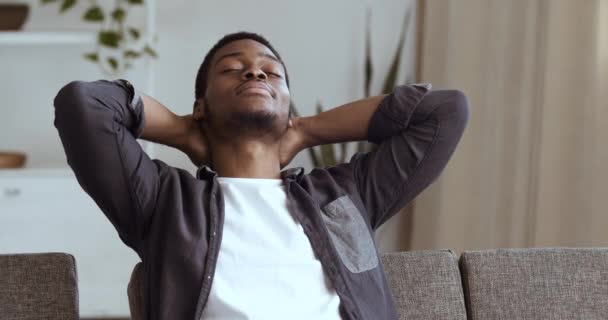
x: 13, y: 15
x: 12, y: 160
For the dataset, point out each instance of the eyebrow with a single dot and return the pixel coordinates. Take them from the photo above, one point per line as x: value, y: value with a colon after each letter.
x: 239, y: 53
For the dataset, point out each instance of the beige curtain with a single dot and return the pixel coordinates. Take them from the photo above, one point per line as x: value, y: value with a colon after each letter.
x: 531, y: 169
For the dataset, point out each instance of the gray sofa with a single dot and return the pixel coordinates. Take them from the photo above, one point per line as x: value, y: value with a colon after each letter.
x: 38, y: 286
x: 513, y: 283
x: 527, y: 283
x: 530, y: 283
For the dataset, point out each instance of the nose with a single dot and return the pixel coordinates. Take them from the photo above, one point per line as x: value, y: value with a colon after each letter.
x: 254, y: 73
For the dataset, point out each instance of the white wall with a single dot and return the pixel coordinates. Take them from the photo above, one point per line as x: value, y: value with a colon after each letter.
x: 321, y: 42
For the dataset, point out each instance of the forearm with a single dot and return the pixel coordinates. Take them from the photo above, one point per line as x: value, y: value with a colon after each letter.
x: 162, y: 125
x: 348, y: 122
x: 98, y: 123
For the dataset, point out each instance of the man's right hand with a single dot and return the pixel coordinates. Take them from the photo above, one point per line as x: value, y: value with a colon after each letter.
x: 180, y: 132
x: 195, y: 144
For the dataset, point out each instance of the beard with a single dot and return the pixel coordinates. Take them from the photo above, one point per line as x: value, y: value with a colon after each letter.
x: 245, y: 123
x: 252, y: 123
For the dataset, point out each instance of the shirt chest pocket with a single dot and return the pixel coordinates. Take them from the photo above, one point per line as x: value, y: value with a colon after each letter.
x: 350, y: 235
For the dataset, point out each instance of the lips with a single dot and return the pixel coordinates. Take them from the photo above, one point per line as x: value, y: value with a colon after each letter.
x: 254, y: 86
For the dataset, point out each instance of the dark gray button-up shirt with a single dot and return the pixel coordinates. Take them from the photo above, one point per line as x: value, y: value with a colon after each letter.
x: 174, y: 220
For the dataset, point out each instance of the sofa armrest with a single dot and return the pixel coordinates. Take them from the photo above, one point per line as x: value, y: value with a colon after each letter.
x: 38, y: 286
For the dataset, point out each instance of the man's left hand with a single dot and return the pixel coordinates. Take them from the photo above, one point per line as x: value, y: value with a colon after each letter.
x: 292, y: 142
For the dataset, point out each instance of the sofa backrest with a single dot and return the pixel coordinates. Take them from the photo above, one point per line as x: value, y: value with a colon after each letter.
x: 38, y: 286
x: 135, y: 292
x: 425, y: 284
x: 514, y: 283
x: 536, y: 283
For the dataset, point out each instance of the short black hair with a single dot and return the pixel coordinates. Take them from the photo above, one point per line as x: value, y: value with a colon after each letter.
x: 200, y: 85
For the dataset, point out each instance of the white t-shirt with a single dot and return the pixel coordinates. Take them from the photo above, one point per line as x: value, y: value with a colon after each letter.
x: 266, y: 267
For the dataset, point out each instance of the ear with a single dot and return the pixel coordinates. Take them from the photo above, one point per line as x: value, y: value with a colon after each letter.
x: 198, y: 109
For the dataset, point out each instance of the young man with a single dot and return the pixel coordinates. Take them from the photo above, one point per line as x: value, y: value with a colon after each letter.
x: 243, y: 239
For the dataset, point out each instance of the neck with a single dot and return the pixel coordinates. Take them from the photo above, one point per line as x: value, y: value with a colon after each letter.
x: 247, y: 159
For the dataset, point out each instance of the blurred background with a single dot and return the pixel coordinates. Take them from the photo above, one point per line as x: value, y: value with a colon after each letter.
x: 529, y: 170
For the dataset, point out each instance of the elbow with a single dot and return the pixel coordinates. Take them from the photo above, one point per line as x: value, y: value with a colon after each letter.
x: 69, y: 93
x: 459, y: 106
x: 455, y: 109
x: 70, y: 106
x: 69, y: 97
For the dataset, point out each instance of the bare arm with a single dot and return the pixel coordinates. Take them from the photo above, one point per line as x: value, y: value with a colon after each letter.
x: 417, y: 131
x: 180, y: 132
x: 162, y: 125
x: 344, y: 123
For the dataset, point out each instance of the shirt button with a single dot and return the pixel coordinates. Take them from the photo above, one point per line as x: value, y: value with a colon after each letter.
x: 209, y: 277
x: 213, y: 233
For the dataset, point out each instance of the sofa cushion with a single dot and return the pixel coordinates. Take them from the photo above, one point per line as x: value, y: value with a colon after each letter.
x: 425, y: 284
x: 38, y: 286
x: 536, y: 283
x: 135, y: 292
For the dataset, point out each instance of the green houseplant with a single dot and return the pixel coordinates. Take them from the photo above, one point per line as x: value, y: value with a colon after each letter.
x: 326, y: 156
x: 114, y: 34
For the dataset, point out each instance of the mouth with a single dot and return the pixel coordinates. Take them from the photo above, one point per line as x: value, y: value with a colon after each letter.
x: 256, y: 88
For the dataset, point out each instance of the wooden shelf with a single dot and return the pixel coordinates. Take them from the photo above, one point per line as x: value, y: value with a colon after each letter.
x: 47, y: 37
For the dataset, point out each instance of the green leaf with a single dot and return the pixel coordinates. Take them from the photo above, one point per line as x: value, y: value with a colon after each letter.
x: 131, y: 54
x: 315, y: 158
x: 319, y: 107
x: 93, y: 14
x: 66, y: 5
x: 135, y: 1
x: 343, y: 152
x: 113, y: 63
x: 374, y: 147
x: 150, y: 51
x: 134, y: 33
x: 119, y: 14
x: 91, y: 56
x: 328, y: 155
x: 369, y: 70
x: 109, y: 38
x: 47, y: 1
x: 391, y: 77
x: 361, y: 146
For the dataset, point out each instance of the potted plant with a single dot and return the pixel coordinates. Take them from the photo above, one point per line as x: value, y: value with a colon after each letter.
x: 117, y: 40
x: 327, y: 155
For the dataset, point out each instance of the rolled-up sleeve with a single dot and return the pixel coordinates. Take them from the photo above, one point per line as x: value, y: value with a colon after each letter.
x: 98, y: 123
x: 417, y: 130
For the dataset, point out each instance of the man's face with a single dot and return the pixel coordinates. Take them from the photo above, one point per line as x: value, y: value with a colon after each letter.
x: 246, y: 89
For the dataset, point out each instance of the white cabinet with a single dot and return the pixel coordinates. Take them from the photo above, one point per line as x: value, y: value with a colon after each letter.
x: 47, y: 211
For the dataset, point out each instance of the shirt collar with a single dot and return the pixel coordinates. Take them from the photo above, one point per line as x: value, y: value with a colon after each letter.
x: 205, y: 172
